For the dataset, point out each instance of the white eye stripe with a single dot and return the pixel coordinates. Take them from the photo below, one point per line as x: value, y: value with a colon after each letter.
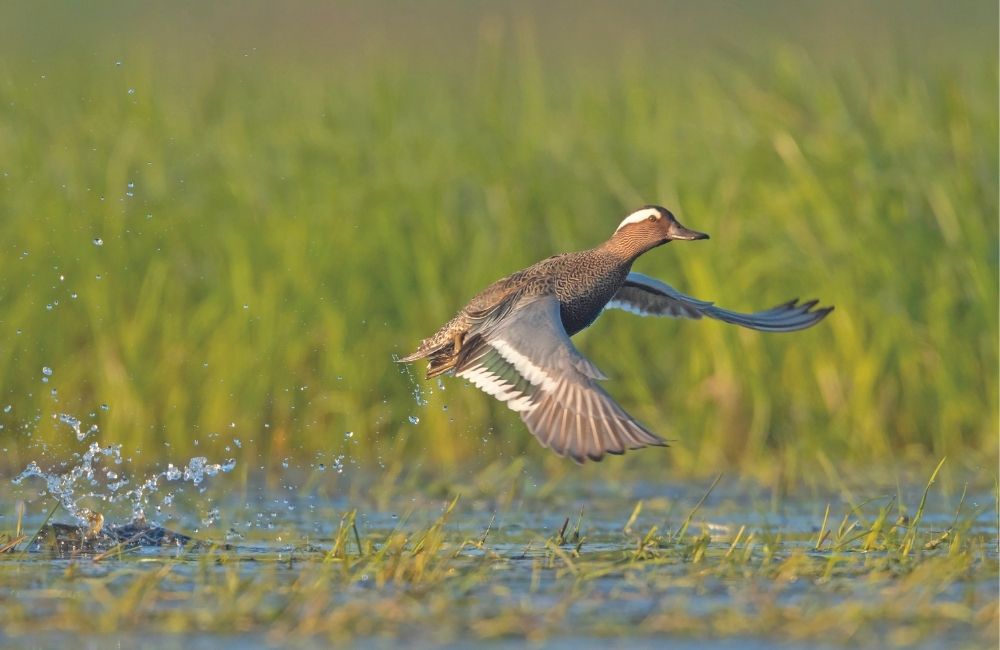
x: 637, y: 216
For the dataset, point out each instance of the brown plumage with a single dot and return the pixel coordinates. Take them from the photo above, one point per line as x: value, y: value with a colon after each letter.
x: 512, y: 339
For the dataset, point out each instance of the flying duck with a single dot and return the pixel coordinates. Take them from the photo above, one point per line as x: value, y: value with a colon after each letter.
x: 513, y: 339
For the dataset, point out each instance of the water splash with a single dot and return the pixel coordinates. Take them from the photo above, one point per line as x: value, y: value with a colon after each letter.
x: 416, y: 390
x: 95, y: 477
x: 76, y: 425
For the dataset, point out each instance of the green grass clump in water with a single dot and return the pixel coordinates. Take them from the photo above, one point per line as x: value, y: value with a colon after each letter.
x: 278, y: 217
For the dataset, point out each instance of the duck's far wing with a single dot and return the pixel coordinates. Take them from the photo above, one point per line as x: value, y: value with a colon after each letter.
x: 530, y: 364
x: 647, y: 296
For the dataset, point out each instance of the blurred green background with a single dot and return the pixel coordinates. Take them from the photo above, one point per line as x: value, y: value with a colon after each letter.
x: 224, y: 222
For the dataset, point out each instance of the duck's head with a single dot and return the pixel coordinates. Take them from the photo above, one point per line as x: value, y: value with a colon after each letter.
x: 650, y: 227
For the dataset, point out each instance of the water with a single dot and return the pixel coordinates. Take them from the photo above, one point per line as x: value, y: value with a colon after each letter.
x: 498, y: 561
x: 348, y: 556
x: 93, y: 481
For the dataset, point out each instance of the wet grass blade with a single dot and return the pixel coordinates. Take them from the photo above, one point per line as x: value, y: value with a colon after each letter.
x: 687, y: 520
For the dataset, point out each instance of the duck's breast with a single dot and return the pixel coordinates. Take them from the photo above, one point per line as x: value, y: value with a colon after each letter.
x: 585, y: 287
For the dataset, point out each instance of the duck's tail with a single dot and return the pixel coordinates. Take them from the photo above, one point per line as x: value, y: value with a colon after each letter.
x: 443, y: 358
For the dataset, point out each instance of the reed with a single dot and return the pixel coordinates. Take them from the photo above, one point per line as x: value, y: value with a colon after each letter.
x: 229, y: 243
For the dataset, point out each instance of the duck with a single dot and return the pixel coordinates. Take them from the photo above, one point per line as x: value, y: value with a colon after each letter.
x: 512, y: 340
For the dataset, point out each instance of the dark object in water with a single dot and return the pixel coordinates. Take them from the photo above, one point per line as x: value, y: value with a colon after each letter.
x: 68, y: 539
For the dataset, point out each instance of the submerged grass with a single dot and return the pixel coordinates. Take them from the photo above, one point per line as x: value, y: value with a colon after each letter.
x: 652, y: 575
x: 231, y: 238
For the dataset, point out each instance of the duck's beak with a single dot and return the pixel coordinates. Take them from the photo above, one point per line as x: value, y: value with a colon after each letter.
x: 677, y: 231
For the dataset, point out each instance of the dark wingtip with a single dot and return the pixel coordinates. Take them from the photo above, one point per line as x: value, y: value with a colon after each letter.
x: 813, y: 303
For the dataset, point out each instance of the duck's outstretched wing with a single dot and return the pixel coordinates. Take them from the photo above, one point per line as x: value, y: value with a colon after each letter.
x: 530, y: 364
x: 647, y: 296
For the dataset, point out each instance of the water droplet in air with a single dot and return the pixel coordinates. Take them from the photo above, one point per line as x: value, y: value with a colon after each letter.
x: 349, y: 434
x: 98, y: 241
x: 46, y: 371
x: 131, y: 91
x: 413, y: 419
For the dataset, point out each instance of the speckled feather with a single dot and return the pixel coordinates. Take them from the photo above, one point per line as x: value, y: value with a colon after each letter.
x: 583, y: 282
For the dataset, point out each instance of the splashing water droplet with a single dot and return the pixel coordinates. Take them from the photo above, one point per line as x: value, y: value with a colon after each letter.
x: 93, y: 474
x: 98, y: 241
x: 413, y: 419
x: 211, y: 517
x: 74, y: 424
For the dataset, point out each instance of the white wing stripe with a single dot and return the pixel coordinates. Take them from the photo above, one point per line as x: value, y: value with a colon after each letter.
x: 490, y: 383
x: 627, y: 306
x: 527, y: 369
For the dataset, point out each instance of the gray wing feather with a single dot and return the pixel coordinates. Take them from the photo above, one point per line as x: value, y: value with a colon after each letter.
x: 530, y: 364
x: 647, y: 296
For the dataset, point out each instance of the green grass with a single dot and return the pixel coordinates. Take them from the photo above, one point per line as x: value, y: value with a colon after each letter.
x: 286, y: 207
x: 872, y: 574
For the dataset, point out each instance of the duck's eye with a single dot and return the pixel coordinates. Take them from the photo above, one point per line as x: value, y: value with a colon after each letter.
x: 652, y: 218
